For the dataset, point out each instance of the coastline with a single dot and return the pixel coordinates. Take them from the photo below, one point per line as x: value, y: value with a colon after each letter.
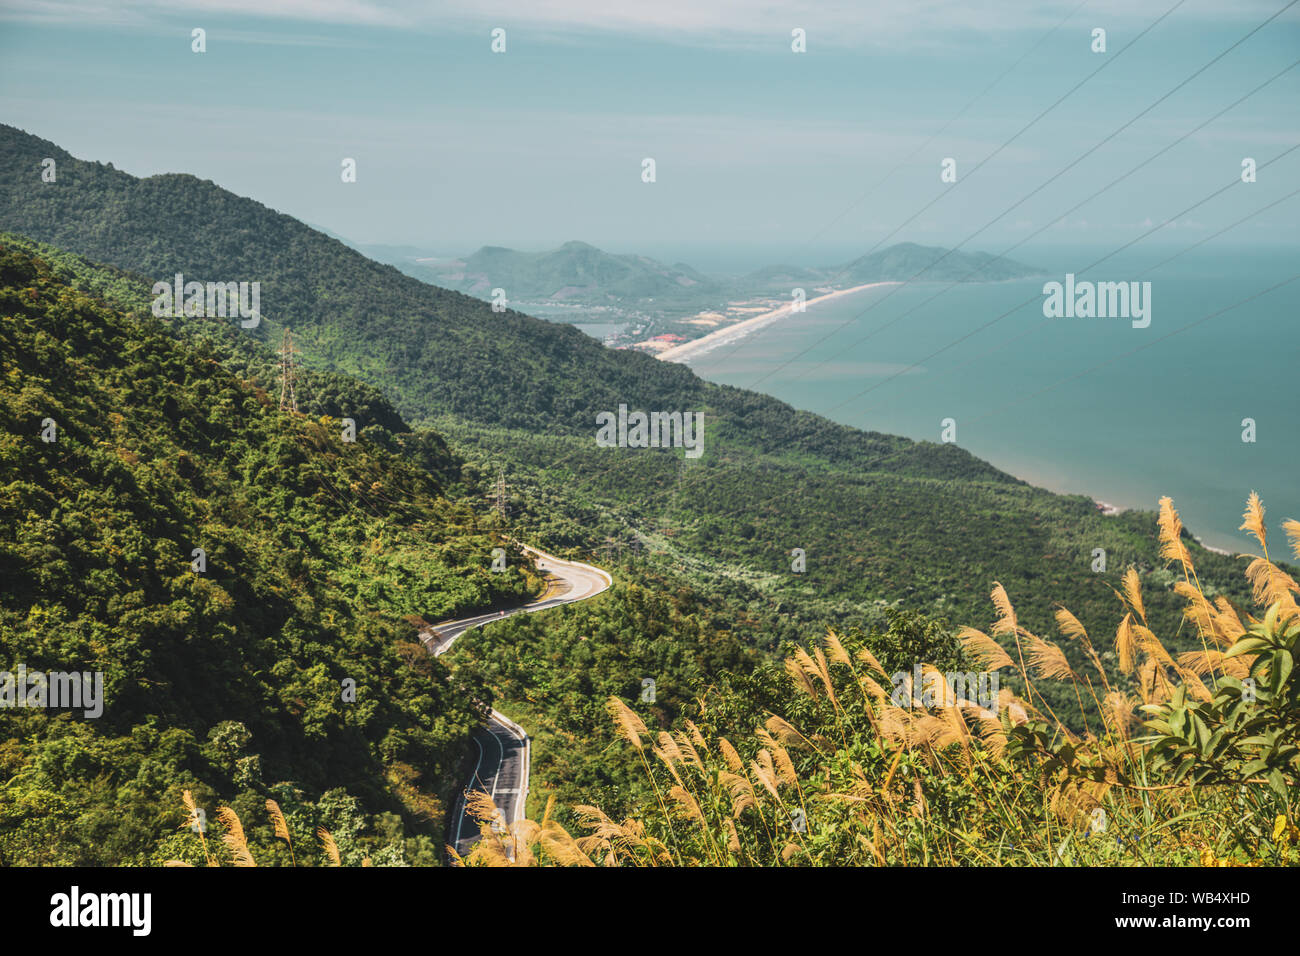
x: 1209, y: 547
x: 1110, y: 510
x: 1050, y: 471
x: 738, y: 330
x: 1038, y: 476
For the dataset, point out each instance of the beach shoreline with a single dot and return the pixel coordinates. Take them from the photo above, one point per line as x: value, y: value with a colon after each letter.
x: 1209, y: 547
x: 738, y: 330
x: 1110, y: 510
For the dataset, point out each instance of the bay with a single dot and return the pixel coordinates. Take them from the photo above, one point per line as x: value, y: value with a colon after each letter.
x: 1083, y: 405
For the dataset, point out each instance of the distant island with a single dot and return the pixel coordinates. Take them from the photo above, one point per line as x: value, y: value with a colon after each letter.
x: 634, y: 301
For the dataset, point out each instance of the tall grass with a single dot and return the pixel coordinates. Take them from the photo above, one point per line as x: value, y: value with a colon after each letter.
x: 233, y: 847
x: 1190, y: 759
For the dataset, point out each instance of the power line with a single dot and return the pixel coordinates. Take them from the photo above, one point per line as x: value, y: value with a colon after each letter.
x: 1044, y: 112
x: 710, y: 476
x: 1036, y: 296
x: 1150, y: 159
x: 1039, y: 188
x: 926, y: 145
x: 1042, y: 322
x: 962, y: 112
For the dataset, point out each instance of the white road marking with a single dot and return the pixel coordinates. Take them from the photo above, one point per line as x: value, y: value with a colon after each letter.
x: 586, y: 582
x: 464, y: 812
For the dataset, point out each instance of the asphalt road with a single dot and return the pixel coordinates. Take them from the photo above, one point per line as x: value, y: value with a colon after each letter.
x: 503, y: 746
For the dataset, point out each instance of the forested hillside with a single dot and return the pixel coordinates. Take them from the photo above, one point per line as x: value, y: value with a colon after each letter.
x: 818, y: 761
x: 882, y: 521
x: 430, y: 350
x: 320, y: 558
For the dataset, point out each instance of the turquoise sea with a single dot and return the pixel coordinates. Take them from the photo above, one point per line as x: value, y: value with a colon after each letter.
x: 1085, y: 405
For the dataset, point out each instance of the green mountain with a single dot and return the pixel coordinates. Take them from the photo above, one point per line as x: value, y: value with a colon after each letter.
x: 576, y: 271
x: 901, y: 262
x: 883, y: 521
x: 227, y: 678
x: 898, y: 263
x: 579, y: 272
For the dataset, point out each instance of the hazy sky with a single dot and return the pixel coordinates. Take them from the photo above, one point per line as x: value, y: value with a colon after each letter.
x: 754, y: 144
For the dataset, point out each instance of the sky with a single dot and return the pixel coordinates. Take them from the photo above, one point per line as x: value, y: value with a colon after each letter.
x: 768, y: 153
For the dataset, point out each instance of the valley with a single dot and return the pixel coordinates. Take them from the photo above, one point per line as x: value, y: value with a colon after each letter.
x: 330, y: 559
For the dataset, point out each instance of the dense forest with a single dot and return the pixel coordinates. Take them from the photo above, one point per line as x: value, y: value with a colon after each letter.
x: 324, y: 559
x: 320, y: 559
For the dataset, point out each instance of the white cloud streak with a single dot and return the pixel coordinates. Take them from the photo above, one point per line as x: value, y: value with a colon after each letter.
x: 723, y: 23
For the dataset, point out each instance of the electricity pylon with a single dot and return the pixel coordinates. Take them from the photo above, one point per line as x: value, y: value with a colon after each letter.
x: 288, y: 364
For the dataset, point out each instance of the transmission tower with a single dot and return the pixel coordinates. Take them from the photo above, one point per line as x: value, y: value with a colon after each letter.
x: 288, y: 363
x: 501, y: 492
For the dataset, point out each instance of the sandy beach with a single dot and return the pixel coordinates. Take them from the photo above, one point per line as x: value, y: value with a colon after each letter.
x: 1210, y: 547
x: 739, y: 330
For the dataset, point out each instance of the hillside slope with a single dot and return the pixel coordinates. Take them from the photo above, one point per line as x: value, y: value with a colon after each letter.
x: 432, y: 351
x: 320, y: 558
x: 882, y: 520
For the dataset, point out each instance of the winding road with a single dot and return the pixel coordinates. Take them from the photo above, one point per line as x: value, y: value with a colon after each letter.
x: 504, y: 750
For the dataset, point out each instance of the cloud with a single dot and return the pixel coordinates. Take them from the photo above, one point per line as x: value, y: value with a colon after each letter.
x: 829, y: 23
x: 146, y: 12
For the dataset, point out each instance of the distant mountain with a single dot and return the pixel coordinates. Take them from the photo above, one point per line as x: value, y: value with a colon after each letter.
x: 581, y: 272
x: 575, y: 271
x: 898, y: 263
x: 783, y: 278
x: 901, y: 262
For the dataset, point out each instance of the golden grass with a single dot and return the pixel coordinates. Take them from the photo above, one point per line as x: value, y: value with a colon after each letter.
x: 987, y: 652
x: 280, y: 828
x: 952, y: 736
x: 724, y: 805
x: 331, y: 848
x: 234, y: 838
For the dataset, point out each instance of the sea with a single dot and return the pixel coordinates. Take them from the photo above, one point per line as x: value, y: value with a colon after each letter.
x: 1202, y: 405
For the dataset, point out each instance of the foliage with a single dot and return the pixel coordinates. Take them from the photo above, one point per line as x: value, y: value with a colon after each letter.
x: 884, y: 521
x: 323, y: 558
x: 847, y: 774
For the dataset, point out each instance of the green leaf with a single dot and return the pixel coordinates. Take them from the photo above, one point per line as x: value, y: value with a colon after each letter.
x: 1277, y: 782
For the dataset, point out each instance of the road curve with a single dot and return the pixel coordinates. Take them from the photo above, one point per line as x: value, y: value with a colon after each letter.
x: 504, y: 751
